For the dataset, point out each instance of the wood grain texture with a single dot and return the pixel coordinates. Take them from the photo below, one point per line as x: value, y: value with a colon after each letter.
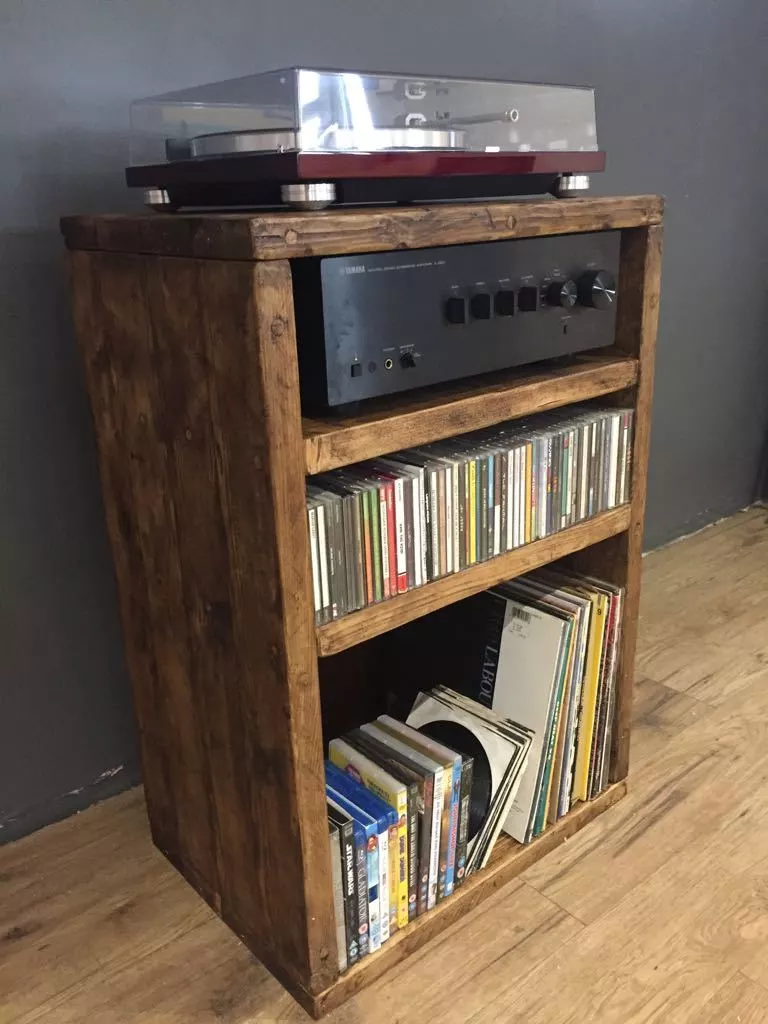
x: 251, y: 348
x: 278, y: 235
x: 194, y: 388
x: 659, y: 714
x: 618, y: 559
x: 739, y: 1001
x: 699, y: 771
x: 508, y: 860
x: 378, y: 618
x: 491, y: 948
x: 636, y: 325
x: 98, y: 926
x: 657, y: 912
x: 188, y: 337
x: 409, y: 420
x: 120, y: 412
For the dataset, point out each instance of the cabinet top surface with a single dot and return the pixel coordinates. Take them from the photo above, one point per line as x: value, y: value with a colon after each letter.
x: 287, y: 234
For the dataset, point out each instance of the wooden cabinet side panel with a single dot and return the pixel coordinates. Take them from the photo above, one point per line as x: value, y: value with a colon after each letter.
x: 128, y: 564
x: 637, y: 322
x: 114, y: 329
x: 281, y: 852
x: 619, y: 559
x: 193, y: 381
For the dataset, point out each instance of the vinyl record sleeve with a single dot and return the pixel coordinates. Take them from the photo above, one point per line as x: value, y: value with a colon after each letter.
x: 504, y: 750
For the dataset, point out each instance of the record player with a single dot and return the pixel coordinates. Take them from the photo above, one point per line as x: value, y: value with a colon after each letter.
x: 310, y: 138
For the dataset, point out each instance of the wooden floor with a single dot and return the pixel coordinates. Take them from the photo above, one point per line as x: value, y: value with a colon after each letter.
x: 656, y: 912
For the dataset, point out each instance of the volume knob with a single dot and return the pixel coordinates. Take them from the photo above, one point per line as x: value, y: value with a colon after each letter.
x: 562, y: 293
x: 597, y: 289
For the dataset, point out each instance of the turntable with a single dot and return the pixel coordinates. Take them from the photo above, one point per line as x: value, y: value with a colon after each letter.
x: 310, y: 138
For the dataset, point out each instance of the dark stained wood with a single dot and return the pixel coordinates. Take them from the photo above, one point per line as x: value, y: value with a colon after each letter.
x: 378, y: 618
x: 637, y: 321
x: 618, y: 559
x: 508, y: 860
x: 408, y: 420
x: 125, y: 401
x: 195, y: 393
x: 286, y: 234
x: 188, y: 339
x: 251, y: 348
x: 345, y: 702
x: 115, y: 410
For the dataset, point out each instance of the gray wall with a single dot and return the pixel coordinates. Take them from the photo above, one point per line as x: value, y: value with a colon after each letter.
x: 680, y: 104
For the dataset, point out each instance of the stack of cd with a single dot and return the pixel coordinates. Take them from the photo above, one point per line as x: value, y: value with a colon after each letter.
x: 380, y: 528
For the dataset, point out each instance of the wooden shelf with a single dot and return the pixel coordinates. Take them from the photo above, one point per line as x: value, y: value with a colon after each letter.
x: 508, y: 860
x: 287, y: 234
x: 356, y: 627
x: 404, y: 421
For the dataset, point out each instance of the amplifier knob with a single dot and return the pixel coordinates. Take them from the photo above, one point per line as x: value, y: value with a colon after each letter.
x: 597, y: 289
x: 562, y: 293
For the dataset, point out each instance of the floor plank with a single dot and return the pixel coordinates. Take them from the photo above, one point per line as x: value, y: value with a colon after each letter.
x: 500, y: 942
x: 739, y: 1001
x: 660, y: 713
x: 708, y: 672
x: 657, y: 912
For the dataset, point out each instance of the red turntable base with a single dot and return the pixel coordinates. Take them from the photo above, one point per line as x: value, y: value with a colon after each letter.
x: 315, y: 180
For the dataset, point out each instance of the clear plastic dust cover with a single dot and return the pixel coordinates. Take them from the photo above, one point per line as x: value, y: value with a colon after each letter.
x: 309, y: 110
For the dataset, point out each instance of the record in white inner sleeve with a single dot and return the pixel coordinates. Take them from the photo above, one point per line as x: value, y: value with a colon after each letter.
x: 505, y: 748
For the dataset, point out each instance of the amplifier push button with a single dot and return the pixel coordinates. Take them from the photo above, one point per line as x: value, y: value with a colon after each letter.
x: 456, y: 310
x: 528, y: 299
x: 480, y: 306
x: 505, y: 302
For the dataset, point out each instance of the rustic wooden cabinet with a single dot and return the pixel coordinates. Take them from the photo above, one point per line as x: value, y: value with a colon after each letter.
x: 186, y: 326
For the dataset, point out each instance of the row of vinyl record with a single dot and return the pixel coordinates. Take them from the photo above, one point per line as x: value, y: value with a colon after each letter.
x: 415, y: 807
x: 380, y: 528
x: 546, y: 647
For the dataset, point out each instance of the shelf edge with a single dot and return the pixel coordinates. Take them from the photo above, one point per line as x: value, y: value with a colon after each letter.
x: 330, y: 446
x: 509, y: 860
x: 369, y: 622
x: 288, y: 234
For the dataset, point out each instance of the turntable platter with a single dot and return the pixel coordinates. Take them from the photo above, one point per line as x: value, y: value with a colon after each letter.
x: 334, y: 140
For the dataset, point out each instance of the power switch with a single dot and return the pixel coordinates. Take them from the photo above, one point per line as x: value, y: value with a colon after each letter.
x: 356, y: 369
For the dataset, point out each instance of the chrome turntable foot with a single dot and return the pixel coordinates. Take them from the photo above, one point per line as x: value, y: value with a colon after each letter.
x: 309, y: 196
x: 570, y: 186
x: 158, y: 199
